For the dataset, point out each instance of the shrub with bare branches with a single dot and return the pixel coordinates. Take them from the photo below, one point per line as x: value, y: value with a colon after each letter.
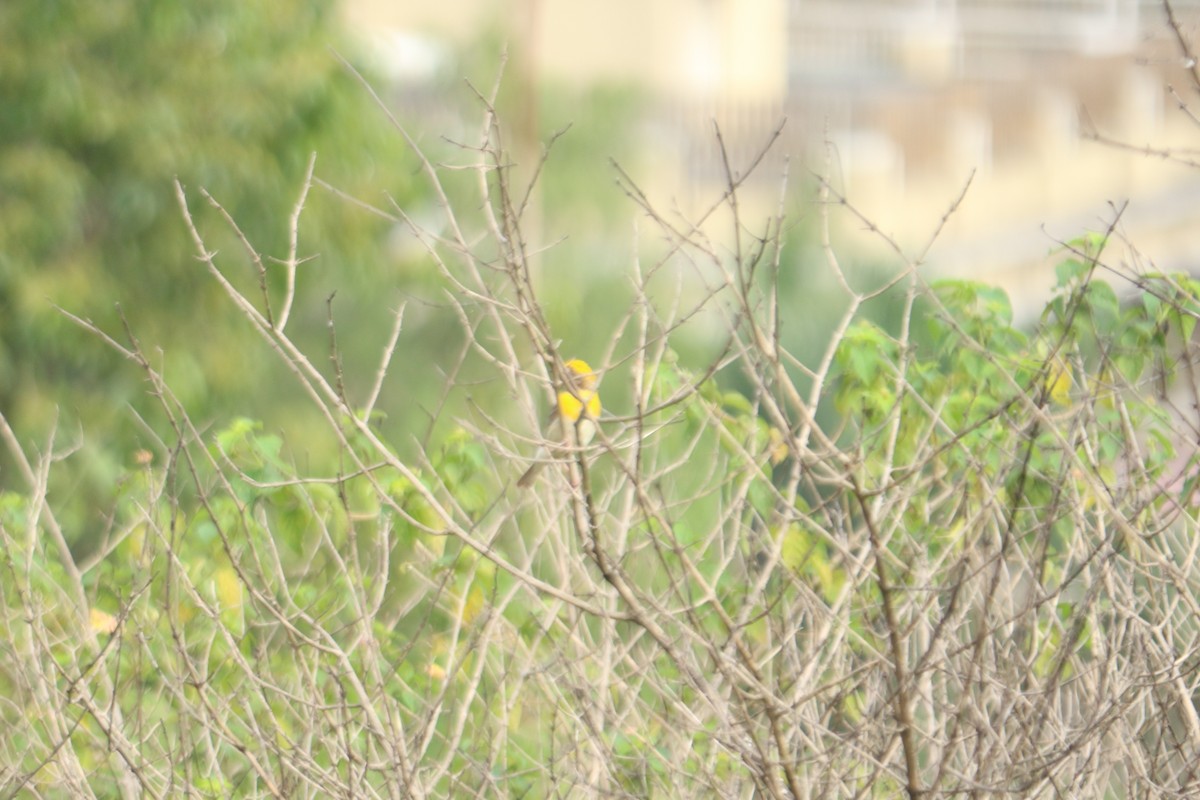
x: 983, y: 580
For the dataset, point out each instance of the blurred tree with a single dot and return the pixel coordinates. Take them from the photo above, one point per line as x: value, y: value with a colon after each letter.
x: 106, y: 104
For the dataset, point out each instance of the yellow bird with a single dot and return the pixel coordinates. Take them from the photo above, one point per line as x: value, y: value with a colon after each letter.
x: 573, y: 418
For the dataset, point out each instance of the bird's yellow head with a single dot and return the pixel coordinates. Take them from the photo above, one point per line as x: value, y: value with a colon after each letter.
x: 581, y: 374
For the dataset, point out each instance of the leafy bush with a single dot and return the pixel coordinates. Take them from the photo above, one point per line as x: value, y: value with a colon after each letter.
x: 983, y: 581
x: 104, y: 106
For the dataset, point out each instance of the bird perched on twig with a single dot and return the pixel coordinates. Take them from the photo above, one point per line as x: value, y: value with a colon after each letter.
x: 573, y: 418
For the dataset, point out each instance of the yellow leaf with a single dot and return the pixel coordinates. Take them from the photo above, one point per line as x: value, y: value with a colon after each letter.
x: 1058, y: 382
x: 473, y: 605
x: 229, y: 589
x: 779, y: 446
x: 795, y: 548
x: 101, y: 622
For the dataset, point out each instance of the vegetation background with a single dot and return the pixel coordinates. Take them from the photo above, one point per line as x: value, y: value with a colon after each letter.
x: 269, y: 367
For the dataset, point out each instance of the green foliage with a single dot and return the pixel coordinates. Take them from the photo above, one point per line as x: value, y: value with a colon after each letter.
x: 353, y: 585
x: 718, y: 590
x: 256, y: 563
x: 105, y: 106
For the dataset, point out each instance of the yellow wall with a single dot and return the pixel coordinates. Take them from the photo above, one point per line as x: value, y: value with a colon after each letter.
x: 730, y: 47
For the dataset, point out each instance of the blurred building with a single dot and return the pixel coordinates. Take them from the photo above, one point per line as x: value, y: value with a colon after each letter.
x: 902, y: 99
x: 919, y: 94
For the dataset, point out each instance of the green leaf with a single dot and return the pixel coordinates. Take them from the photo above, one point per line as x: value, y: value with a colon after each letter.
x: 1104, y: 307
x: 1070, y: 271
x: 1152, y: 305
